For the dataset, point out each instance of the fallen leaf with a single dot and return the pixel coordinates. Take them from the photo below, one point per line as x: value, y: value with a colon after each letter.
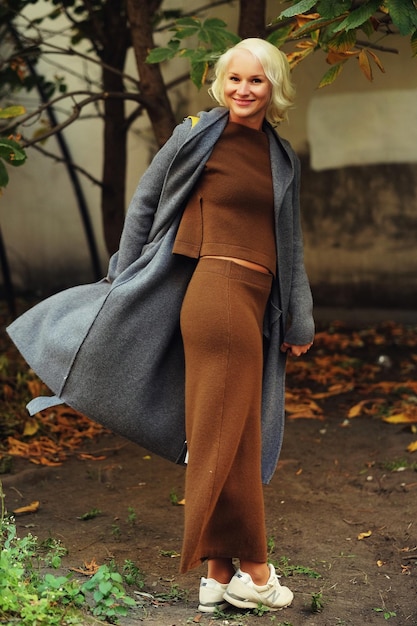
x: 364, y: 535
x: 25, y: 510
x: 357, y: 409
x: 88, y: 569
x: 90, y: 457
x: 31, y: 427
x: 412, y: 447
x: 402, y: 418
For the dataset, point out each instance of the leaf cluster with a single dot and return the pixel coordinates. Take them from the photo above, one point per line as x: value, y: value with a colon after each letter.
x: 336, y: 27
x: 210, y: 38
x: 11, y: 153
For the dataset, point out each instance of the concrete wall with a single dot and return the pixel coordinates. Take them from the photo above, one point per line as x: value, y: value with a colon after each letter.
x: 357, y: 144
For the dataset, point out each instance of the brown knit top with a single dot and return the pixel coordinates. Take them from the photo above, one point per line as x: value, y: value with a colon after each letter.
x: 231, y: 210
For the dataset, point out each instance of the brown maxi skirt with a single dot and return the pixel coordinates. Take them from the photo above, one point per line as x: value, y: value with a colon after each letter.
x: 221, y: 325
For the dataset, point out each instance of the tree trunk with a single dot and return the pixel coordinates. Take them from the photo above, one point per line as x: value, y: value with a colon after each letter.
x: 152, y: 87
x: 114, y: 164
x: 115, y: 43
x: 252, y: 18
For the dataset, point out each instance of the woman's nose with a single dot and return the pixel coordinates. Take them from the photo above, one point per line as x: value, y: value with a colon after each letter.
x: 243, y: 88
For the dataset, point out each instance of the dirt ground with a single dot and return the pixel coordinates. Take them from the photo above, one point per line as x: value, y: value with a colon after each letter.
x: 342, y: 502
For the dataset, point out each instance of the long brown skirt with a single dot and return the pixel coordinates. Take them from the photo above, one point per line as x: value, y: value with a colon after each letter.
x: 221, y: 324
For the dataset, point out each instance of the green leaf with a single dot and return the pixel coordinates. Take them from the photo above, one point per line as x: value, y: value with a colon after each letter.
x: 157, y: 55
x: 331, y: 9
x: 4, y: 177
x: 368, y: 28
x: 12, y: 111
x: 214, y: 22
x: 198, y: 73
x: 360, y: 15
x: 331, y: 74
x: 343, y: 41
x: 12, y: 152
x: 280, y: 35
x: 413, y: 42
x: 105, y: 587
x: 404, y: 15
x: 300, y: 7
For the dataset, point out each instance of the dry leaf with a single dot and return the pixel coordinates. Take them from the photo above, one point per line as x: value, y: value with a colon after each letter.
x: 356, y: 410
x: 412, y: 447
x: 25, y: 510
x: 31, y: 427
x: 364, y: 535
x: 402, y: 418
x: 88, y: 569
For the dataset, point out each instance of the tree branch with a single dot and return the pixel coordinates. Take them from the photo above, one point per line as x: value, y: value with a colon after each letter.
x: 58, y: 159
x: 78, y: 106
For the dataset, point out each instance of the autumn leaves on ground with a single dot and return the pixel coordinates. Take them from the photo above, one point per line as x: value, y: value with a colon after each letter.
x: 341, y: 504
x: 348, y: 363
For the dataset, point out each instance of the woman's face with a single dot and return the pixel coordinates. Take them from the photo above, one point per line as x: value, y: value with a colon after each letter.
x: 247, y: 91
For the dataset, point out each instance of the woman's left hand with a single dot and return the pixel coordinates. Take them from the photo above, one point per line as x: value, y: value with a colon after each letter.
x: 293, y: 350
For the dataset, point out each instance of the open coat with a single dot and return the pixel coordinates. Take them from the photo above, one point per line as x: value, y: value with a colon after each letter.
x: 113, y: 349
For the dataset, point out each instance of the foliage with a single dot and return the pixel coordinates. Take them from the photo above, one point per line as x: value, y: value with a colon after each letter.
x: 333, y: 27
x: 28, y: 596
x: 210, y: 39
x: 11, y: 152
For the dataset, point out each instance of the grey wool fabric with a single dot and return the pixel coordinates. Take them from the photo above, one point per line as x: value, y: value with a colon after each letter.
x: 113, y: 349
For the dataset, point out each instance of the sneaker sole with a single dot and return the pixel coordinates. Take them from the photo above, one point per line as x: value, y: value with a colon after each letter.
x: 241, y: 603
x: 210, y: 608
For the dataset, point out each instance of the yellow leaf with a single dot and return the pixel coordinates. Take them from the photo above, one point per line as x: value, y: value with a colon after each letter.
x: 401, y: 418
x: 30, y: 508
x: 365, y: 65
x: 31, y: 427
x: 356, y: 410
x: 181, y: 502
x: 364, y: 535
x: 412, y: 447
x: 376, y: 60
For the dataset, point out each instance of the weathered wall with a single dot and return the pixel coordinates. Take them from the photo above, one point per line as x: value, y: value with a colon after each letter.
x: 359, y: 217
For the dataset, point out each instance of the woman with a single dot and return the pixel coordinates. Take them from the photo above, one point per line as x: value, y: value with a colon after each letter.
x: 212, y: 238
x: 229, y: 224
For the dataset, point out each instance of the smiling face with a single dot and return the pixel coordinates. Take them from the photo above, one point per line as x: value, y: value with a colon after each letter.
x: 247, y: 91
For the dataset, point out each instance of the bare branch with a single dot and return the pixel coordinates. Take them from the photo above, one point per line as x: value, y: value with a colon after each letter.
x: 58, y: 159
x: 78, y: 106
x: 55, y: 49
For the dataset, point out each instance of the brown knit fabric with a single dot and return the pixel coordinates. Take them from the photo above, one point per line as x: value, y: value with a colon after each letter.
x: 221, y: 324
x: 231, y: 211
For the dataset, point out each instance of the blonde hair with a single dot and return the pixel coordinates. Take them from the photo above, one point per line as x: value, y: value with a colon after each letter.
x: 276, y: 68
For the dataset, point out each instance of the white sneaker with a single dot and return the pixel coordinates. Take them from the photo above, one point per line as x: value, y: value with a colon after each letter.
x: 211, y: 596
x: 243, y: 593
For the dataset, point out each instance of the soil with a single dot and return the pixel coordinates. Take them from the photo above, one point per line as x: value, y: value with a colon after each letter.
x: 337, y: 478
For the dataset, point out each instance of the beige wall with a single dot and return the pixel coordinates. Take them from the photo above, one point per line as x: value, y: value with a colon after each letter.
x: 359, y: 220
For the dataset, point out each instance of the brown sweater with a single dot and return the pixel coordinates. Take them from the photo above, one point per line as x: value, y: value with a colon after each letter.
x: 231, y: 210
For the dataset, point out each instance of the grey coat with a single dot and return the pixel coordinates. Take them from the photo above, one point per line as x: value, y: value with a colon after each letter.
x: 113, y: 349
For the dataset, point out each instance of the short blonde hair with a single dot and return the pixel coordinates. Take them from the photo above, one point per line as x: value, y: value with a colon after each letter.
x: 276, y: 68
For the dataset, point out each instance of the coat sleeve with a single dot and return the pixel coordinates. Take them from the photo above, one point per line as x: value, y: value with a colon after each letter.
x: 301, y: 324
x: 144, y: 204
